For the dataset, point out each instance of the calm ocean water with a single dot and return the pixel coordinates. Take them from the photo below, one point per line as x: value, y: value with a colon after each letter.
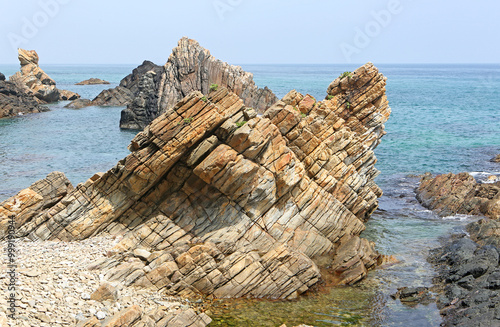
x: 445, y: 118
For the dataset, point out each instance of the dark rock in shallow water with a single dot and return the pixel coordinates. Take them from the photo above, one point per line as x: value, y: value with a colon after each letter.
x: 78, y: 104
x: 15, y: 102
x: 2, y: 77
x: 128, y: 89
x: 496, y: 159
x: 413, y: 295
x: 469, y: 276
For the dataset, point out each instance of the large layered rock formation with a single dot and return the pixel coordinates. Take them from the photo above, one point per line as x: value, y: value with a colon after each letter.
x: 33, y: 80
x: 152, y: 90
x: 216, y: 200
x: 451, y: 194
x: 14, y: 101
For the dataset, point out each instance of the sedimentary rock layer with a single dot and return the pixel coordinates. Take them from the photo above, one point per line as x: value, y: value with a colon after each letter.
x: 451, y: 194
x: 151, y: 90
x: 216, y: 200
x: 33, y: 80
x: 92, y: 81
x: 14, y: 101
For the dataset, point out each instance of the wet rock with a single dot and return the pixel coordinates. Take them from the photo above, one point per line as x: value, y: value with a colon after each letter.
x: 459, y: 194
x: 413, y: 295
x: 469, y: 277
x: 496, y: 158
x: 2, y: 77
x: 14, y: 101
x: 92, y: 81
x: 246, y: 213
x: 78, y: 104
x: 33, y: 80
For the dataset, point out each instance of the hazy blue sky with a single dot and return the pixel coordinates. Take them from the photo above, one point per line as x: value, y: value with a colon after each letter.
x: 253, y: 31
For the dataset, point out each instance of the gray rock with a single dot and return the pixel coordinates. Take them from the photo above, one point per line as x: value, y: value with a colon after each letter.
x: 78, y: 104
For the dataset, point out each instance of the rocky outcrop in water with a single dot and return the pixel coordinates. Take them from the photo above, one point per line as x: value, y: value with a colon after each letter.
x: 33, y: 80
x: 215, y: 200
x: 92, y: 81
x: 15, y: 102
x: 189, y: 68
x: 451, y: 194
x: 469, y: 276
x: 496, y: 158
x: 78, y: 104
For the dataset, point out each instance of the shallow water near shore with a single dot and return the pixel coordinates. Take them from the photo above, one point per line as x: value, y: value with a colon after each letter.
x: 445, y: 119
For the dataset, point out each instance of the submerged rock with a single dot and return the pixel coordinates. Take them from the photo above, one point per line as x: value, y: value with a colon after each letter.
x: 78, y: 104
x: 451, y: 194
x: 15, y: 102
x: 189, y: 68
x: 92, y: 81
x: 33, y: 80
x: 215, y: 200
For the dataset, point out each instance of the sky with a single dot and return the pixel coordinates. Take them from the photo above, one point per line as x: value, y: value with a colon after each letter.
x: 253, y: 31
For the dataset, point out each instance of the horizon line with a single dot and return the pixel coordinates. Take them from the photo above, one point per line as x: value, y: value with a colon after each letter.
x: 281, y: 64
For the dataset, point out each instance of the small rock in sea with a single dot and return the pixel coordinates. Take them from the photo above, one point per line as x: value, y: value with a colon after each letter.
x: 496, y: 159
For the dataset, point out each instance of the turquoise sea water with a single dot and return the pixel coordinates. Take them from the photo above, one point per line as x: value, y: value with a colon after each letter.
x: 445, y: 118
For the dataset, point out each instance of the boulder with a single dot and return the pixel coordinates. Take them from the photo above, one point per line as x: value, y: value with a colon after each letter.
x: 92, y: 81
x: 496, y: 158
x: 451, y: 194
x: 14, y: 101
x: 189, y: 68
x: 2, y: 77
x: 78, y: 104
x: 33, y: 80
x: 215, y: 200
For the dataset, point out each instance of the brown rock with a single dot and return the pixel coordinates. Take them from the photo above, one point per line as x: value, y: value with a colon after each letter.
x: 104, y: 292
x: 92, y: 81
x: 14, y: 101
x: 237, y: 210
x: 78, y: 104
x: 126, y: 317
x: 496, y: 159
x: 33, y: 80
x: 459, y: 194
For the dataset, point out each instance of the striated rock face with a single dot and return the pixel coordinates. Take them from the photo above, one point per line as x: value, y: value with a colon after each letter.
x: 124, y: 94
x: 216, y: 200
x: 33, y: 80
x: 31, y: 201
x: 15, y: 102
x: 92, y: 81
x: 459, y: 194
x: 189, y: 68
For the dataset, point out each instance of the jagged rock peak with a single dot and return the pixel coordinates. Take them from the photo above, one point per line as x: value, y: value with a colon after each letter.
x: 189, y: 68
x: 33, y: 80
x: 214, y: 199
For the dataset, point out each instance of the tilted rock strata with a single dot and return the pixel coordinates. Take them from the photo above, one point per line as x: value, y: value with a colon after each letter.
x: 189, y: 68
x: 15, y: 102
x: 216, y: 200
x: 33, y: 80
x: 92, y: 81
x: 451, y: 194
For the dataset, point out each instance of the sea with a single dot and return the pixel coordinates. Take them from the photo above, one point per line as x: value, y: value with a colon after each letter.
x: 445, y: 118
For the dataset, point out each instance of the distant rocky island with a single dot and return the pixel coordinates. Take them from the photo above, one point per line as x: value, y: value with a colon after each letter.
x: 217, y: 200
x: 92, y: 81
